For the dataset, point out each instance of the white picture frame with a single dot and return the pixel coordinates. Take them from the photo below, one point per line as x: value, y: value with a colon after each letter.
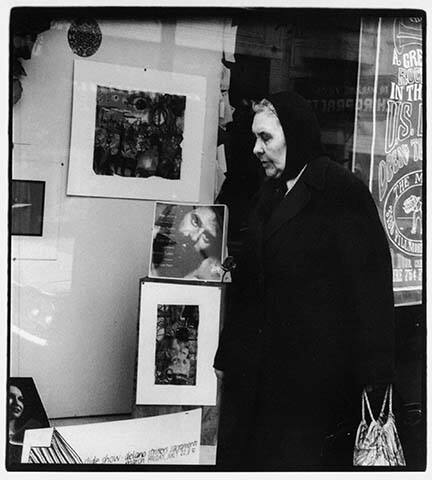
x: 93, y: 80
x: 197, y: 385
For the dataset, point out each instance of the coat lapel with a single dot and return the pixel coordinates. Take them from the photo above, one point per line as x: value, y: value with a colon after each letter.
x: 290, y: 206
x: 297, y: 198
x: 257, y: 241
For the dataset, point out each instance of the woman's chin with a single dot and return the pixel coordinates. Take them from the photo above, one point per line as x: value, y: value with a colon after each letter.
x: 272, y: 172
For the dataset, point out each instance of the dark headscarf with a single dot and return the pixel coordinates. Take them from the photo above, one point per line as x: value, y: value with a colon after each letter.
x: 303, y: 144
x: 301, y: 129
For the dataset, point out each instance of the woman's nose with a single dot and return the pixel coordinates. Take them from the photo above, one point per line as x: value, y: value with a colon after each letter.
x: 258, y: 147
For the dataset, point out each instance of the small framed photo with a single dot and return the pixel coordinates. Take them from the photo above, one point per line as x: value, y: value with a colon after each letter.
x: 48, y: 172
x: 136, y: 133
x: 27, y: 206
x: 178, y: 336
x: 25, y: 412
x: 188, y: 241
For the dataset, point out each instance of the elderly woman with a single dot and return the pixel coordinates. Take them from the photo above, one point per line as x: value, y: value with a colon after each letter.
x: 310, y: 320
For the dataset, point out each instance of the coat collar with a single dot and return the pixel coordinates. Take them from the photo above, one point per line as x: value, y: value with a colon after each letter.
x: 314, y: 176
x: 315, y: 173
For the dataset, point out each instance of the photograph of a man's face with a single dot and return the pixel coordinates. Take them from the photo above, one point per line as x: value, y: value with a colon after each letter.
x: 188, y: 241
x: 176, y: 344
x: 138, y: 134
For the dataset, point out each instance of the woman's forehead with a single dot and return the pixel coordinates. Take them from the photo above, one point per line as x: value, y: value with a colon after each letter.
x: 14, y: 389
x: 265, y: 121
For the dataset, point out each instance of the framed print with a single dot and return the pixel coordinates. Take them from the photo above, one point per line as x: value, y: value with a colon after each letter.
x: 136, y: 133
x: 27, y: 207
x: 164, y: 439
x: 178, y: 335
x: 188, y: 241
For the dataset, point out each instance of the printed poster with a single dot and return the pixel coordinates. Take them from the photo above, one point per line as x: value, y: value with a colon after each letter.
x: 388, y: 141
x: 165, y: 439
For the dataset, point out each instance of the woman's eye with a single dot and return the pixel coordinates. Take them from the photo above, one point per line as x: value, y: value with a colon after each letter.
x: 266, y: 138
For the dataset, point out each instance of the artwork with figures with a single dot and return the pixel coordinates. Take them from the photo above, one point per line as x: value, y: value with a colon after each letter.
x: 138, y: 134
x: 176, y: 344
x: 178, y: 332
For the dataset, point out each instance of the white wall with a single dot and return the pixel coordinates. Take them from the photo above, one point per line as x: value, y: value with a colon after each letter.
x: 74, y: 303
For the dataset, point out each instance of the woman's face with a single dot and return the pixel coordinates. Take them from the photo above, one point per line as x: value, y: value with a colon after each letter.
x: 16, y: 402
x: 270, y: 145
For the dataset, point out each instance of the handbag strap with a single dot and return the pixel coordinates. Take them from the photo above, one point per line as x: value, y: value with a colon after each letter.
x: 389, y: 393
x: 388, y: 398
x: 366, y: 400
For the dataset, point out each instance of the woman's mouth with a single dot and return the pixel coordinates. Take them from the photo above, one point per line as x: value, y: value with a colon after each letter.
x: 266, y: 165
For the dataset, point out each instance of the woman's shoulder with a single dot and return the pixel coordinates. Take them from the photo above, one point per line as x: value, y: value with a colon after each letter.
x: 30, y: 424
x: 343, y: 185
x: 338, y: 173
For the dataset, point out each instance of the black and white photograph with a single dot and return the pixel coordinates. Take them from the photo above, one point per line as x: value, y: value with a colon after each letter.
x: 25, y: 412
x: 28, y: 199
x: 138, y: 134
x: 219, y: 212
x: 176, y: 344
x: 188, y: 241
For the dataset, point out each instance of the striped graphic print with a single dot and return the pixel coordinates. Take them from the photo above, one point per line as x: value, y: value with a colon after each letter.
x: 58, y: 452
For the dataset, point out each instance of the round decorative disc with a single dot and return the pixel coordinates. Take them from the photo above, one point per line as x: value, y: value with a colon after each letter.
x: 84, y: 37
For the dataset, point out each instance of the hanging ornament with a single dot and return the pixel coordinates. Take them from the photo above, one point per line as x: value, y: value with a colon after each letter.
x: 84, y: 37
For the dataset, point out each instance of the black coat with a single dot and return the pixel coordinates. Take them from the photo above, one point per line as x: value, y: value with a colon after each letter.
x: 311, y: 317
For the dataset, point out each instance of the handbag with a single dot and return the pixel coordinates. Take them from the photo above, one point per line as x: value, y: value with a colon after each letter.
x: 378, y: 444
